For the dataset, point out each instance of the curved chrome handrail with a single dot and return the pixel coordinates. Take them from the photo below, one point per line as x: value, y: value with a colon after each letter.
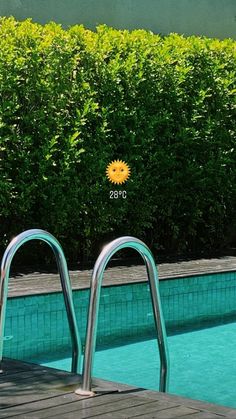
x: 12, y: 248
x: 100, y: 265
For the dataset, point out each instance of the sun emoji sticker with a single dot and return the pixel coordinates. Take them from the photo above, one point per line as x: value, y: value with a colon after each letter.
x: 118, y: 172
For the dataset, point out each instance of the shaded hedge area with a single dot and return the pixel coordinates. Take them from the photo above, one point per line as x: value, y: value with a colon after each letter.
x: 72, y: 101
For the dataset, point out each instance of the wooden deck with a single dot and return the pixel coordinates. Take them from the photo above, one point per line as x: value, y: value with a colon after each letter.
x: 31, y: 391
x: 41, y: 283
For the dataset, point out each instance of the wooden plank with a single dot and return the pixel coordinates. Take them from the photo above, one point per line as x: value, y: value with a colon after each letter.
x: 195, y: 404
x: 139, y: 409
x: 175, y: 412
x: 21, y: 399
x: 44, y: 402
x: 203, y: 415
x: 84, y: 408
x: 109, y: 409
x: 20, y: 379
x: 30, y: 386
x: 12, y: 365
x: 42, y: 379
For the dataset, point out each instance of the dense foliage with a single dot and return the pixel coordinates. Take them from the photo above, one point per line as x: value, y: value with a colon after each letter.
x: 71, y: 101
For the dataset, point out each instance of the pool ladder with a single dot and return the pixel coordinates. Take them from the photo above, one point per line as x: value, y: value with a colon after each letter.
x: 11, y: 250
x: 96, y: 282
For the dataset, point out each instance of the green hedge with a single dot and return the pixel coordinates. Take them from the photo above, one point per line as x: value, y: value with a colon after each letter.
x: 72, y: 101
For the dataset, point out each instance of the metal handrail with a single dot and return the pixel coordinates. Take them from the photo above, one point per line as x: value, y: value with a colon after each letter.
x: 12, y: 248
x: 100, y: 265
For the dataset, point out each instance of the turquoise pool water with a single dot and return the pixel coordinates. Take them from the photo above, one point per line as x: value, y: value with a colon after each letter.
x: 203, y: 364
x: 37, y: 324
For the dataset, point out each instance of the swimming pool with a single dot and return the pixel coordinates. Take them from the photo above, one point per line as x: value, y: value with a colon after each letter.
x: 200, y: 313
